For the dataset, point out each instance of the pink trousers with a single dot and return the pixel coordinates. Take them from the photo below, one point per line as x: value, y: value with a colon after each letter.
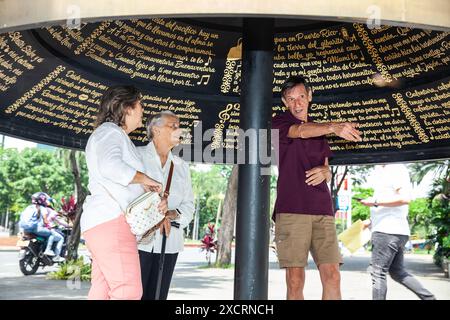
x: 116, y: 273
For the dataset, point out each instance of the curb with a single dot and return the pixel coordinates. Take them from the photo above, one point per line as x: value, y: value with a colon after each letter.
x: 192, y: 245
x: 9, y: 248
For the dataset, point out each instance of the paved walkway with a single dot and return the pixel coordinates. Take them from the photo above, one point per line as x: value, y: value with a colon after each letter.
x: 194, y: 282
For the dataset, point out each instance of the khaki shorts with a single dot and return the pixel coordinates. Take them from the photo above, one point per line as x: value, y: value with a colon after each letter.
x: 297, y: 234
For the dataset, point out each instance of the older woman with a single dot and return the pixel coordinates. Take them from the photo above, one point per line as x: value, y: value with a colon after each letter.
x: 164, y: 132
x: 115, y: 179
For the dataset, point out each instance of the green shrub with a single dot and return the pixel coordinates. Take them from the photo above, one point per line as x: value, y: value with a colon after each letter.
x: 72, y: 270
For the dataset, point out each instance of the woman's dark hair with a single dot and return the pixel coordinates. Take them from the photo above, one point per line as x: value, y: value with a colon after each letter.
x: 114, y: 103
x: 292, y: 82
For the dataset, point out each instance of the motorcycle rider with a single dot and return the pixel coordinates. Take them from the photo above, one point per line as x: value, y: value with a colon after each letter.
x: 54, y: 219
x: 33, y: 220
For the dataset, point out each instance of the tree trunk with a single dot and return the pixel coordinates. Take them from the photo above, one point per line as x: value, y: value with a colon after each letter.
x: 218, y: 214
x: 336, y: 184
x: 226, y: 231
x: 74, y: 240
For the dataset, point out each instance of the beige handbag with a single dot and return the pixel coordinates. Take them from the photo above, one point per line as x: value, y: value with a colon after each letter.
x: 142, y: 214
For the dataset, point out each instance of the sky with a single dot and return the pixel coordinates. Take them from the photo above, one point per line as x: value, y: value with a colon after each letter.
x: 18, y: 143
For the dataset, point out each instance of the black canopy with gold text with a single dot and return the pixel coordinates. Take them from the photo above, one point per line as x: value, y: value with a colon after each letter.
x: 393, y: 81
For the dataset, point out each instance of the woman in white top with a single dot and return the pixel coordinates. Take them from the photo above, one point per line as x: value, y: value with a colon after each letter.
x: 115, y: 179
x: 164, y: 132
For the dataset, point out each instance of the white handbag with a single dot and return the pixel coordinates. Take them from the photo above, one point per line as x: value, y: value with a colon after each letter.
x: 142, y: 213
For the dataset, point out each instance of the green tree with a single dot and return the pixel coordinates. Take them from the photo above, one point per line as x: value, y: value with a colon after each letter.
x: 438, y: 221
x: 32, y: 170
x: 360, y: 211
x: 209, y: 187
x: 420, y: 215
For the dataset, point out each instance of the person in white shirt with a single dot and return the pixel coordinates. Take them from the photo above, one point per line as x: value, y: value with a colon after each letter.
x: 164, y: 132
x: 115, y: 179
x: 390, y: 230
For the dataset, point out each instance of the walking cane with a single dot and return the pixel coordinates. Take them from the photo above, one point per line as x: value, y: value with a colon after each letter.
x: 163, y: 245
x: 161, y: 266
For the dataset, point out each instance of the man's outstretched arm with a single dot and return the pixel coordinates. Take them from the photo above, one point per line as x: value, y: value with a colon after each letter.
x: 345, y: 130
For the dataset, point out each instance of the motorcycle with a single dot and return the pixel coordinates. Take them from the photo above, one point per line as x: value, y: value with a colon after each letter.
x: 31, y: 254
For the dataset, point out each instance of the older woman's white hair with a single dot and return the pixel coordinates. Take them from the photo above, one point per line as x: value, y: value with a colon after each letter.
x: 157, y: 121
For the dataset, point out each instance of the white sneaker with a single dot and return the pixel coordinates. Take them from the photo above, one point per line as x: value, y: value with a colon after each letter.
x: 59, y: 259
x: 49, y: 253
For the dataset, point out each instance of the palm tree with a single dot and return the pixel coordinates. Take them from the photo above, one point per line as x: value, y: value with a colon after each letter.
x: 438, y: 202
x: 420, y: 169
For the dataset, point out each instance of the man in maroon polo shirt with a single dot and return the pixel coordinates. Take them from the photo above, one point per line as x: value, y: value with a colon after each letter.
x: 303, y: 210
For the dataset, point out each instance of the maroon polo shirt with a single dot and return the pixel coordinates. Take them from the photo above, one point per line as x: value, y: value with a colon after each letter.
x: 296, y: 156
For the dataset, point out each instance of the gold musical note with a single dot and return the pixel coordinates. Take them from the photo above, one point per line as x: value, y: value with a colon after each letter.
x: 224, y: 113
x: 395, y: 112
x: 208, y: 61
x: 204, y: 79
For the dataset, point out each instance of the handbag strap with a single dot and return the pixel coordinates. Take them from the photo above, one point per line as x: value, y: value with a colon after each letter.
x: 169, y: 181
x: 166, y: 194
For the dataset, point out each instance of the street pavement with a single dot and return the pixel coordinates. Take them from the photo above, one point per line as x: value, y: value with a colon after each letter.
x: 193, y: 281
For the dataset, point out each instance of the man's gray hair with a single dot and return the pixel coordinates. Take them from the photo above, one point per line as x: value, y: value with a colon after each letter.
x: 157, y: 121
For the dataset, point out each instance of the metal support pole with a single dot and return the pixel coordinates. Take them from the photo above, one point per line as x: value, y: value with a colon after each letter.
x: 7, y: 219
x: 252, y: 220
x: 195, y: 227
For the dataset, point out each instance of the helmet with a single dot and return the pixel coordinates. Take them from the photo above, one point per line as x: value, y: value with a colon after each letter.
x: 51, y: 202
x: 40, y: 198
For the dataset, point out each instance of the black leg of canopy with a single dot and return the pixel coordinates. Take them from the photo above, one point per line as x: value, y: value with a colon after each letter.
x: 252, y: 221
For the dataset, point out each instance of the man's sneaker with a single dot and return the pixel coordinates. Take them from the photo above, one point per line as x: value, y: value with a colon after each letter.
x: 59, y: 259
x: 49, y: 253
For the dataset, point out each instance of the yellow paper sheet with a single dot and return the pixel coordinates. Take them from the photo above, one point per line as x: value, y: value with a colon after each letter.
x: 354, y: 237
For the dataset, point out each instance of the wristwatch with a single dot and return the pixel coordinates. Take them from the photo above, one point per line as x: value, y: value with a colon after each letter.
x: 178, y: 215
x: 375, y: 204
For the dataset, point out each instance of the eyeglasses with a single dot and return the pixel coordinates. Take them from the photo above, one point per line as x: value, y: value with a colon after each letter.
x: 173, y: 125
